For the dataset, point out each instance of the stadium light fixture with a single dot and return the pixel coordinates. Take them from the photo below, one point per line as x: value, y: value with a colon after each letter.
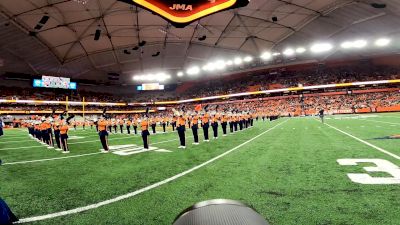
x: 354, y: 44
x: 321, y: 47
x: 220, y: 65
x: 381, y: 42
x: 229, y: 63
x: 266, y: 56
x: 360, y: 43
x: 238, y: 61
x: 346, y: 44
x: 193, y: 70
x: 300, y: 50
x: 288, y: 52
x: 180, y: 74
x: 248, y: 59
x: 276, y: 53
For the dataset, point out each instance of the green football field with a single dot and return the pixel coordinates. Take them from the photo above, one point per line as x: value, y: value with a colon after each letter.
x: 292, y: 171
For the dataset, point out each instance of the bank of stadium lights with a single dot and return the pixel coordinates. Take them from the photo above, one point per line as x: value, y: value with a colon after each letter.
x: 179, y: 74
x: 238, y: 61
x: 321, y: 47
x: 354, y: 44
x: 300, y: 50
x: 316, y: 48
x: 160, y: 77
x: 266, y: 56
x: 289, y: 52
x: 193, y: 70
x: 248, y: 59
x: 381, y: 42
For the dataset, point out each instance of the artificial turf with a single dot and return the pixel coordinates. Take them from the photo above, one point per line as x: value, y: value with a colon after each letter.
x: 289, y: 174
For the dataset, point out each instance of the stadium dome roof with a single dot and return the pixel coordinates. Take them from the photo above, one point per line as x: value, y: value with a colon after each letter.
x: 65, y: 44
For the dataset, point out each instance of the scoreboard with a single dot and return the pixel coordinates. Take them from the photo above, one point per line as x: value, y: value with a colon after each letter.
x: 150, y: 87
x: 54, y: 82
x: 182, y: 12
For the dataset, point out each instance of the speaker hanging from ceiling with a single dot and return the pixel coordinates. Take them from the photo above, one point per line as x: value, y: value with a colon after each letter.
x: 42, y: 22
x: 97, y: 34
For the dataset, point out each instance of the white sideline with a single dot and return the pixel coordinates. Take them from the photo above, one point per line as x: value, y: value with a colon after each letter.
x: 67, y: 157
x: 132, y: 194
x: 365, y: 142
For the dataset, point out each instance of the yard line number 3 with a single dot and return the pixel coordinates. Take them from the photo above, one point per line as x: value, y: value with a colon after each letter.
x: 381, y: 165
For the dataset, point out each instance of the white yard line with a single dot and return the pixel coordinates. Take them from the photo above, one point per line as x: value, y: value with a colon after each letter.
x: 365, y: 142
x: 23, y: 141
x: 69, y: 143
x: 67, y: 157
x: 36, y: 146
x: 150, y: 187
x: 377, y: 121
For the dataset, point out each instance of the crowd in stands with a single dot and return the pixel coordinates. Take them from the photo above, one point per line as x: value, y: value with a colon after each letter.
x: 286, y: 79
x: 261, y: 81
x: 281, y: 105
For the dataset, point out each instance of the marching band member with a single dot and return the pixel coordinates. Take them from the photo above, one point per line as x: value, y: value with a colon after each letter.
x: 43, y: 131
x: 114, y: 124
x: 144, y: 124
x: 181, y: 130
x: 30, y: 129
x: 64, y: 137
x: 230, y: 118
x: 235, y: 122
x: 109, y: 124
x: 103, y: 134
x: 205, y: 124
x: 49, y: 134
x: 214, y: 125
x: 164, y: 123
x: 224, y: 122
x: 195, y: 128
x: 128, y: 126
x: 121, y: 125
x: 153, y: 123
x: 173, y: 123
x: 1, y: 127
x: 38, y: 133
x: 135, y: 125
x: 180, y: 127
x: 56, y: 128
x: 240, y: 122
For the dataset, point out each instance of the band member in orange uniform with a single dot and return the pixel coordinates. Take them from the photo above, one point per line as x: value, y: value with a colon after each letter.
x: 195, y: 128
x: 173, y: 123
x: 224, y: 122
x: 56, y: 128
x: 164, y: 123
x: 214, y: 125
x: 205, y: 124
x: 145, y: 132
x: 153, y: 123
x: 181, y: 122
x: 121, y: 126
x: 128, y: 126
x: 135, y: 125
x: 103, y: 134
x: 64, y: 137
